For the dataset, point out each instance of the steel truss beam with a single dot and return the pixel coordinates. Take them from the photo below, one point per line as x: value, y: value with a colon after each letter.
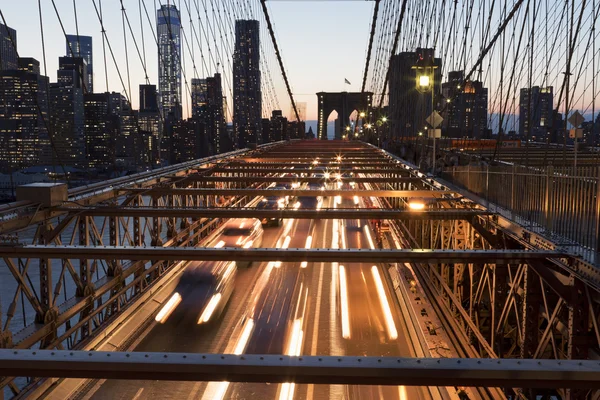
x: 290, y: 179
x: 302, y: 193
x: 324, y: 213
x: 287, y: 255
x: 294, y: 163
x: 345, y: 370
x: 391, y: 169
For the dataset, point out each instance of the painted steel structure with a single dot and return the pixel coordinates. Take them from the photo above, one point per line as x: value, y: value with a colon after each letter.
x: 499, y: 290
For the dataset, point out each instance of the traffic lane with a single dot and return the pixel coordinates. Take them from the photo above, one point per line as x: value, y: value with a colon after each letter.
x: 274, y: 310
x: 375, y: 331
x: 211, y: 338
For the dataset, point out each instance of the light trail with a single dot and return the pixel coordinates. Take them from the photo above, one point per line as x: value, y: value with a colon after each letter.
x: 244, y: 337
x: 344, y: 303
x: 368, y: 233
x: 306, y: 246
x: 286, y: 243
x: 385, y: 305
x: 168, y: 308
x: 210, y: 308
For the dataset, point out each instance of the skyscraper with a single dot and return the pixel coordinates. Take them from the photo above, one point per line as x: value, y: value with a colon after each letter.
x: 247, y: 100
x: 8, y: 52
x: 199, y: 90
x: 168, y: 23
x: 23, y: 115
x: 81, y: 46
x: 215, y: 118
x: 465, y: 111
x: 408, y: 107
x: 150, y: 123
x: 536, y: 111
x: 99, y: 137
x: 67, y: 112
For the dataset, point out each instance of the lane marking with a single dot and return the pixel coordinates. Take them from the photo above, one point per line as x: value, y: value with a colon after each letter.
x: 138, y: 394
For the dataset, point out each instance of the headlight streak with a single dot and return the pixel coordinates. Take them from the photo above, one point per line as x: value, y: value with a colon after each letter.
x: 344, y: 303
x: 210, y: 308
x: 168, y: 308
x: 385, y: 305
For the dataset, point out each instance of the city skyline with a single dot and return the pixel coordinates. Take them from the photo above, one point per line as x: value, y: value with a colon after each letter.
x: 306, y: 78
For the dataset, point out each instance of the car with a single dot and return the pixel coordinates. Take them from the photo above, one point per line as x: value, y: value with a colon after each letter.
x: 241, y: 233
x: 270, y: 203
x: 201, y: 294
x: 310, y: 202
x: 282, y: 201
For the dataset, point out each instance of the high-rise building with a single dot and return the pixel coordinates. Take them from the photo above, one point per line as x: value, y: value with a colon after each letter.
x: 266, y: 130
x: 168, y: 21
x: 23, y: 116
x: 536, y: 112
x: 148, y: 99
x: 215, y: 128
x: 99, y: 134
x: 149, y: 122
x: 466, y: 108
x: 247, y: 100
x: 72, y: 72
x: 199, y: 92
x: 409, y: 107
x: 8, y: 51
x: 278, y: 126
x: 81, y: 46
x: 67, y: 112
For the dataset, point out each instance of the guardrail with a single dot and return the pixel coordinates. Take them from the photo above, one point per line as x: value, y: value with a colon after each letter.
x: 552, y: 202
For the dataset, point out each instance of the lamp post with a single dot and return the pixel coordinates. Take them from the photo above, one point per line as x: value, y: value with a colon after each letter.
x: 425, y: 82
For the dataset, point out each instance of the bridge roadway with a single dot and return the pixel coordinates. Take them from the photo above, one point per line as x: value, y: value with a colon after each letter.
x: 273, y: 298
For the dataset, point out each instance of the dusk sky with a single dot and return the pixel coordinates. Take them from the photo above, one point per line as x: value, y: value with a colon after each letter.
x: 321, y: 42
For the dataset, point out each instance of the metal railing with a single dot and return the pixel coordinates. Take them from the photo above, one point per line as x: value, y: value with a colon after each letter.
x: 554, y: 202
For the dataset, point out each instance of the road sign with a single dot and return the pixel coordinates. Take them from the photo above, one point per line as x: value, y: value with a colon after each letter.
x: 434, y: 133
x: 576, y: 119
x: 434, y: 119
x: 576, y: 133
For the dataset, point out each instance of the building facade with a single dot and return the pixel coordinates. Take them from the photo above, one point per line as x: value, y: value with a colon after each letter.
x: 247, y: 95
x: 168, y: 21
x: 536, y: 112
x: 23, y: 116
x: 67, y: 112
x: 81, y: 46
x: 99, y: 131
x: 149, y: 122
x: 465, y: 111
x: 8, y: 51
x: 409, y: 106
x: 215, y: 126
x: 199, y: 93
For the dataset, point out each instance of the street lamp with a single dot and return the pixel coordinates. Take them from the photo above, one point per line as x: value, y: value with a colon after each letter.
x: 384, y: 119
x: 425, y: 83
x: 362, y: 114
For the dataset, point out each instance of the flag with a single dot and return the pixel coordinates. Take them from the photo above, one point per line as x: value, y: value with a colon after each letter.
x: 346, y: 81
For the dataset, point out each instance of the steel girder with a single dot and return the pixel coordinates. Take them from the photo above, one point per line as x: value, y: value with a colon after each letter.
x: 349, y: 370
x: 272, y: 254
x: 291, y: 179
x: 95, y: 298
x: 420, y: 194
x: 391, y: 169
x: 324, y: 213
